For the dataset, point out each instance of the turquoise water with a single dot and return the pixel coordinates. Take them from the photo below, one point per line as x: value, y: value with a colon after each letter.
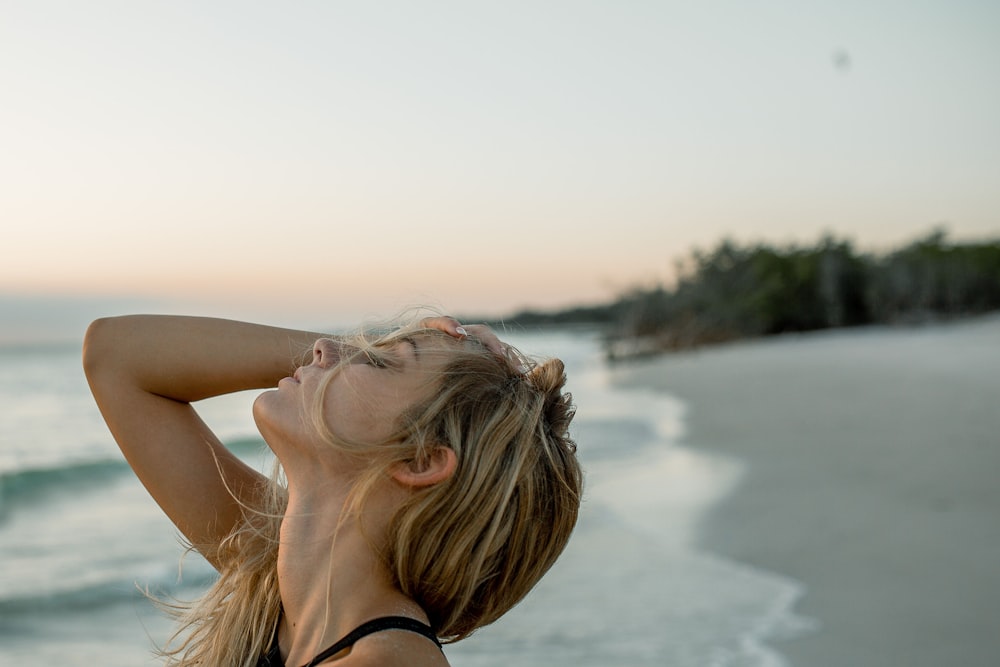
x: 79, y: 536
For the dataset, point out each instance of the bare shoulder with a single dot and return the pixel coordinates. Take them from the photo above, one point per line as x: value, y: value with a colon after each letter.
x: 390, y: 648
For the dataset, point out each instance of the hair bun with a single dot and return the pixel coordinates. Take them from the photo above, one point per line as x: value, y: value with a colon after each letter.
x: 549, y: 377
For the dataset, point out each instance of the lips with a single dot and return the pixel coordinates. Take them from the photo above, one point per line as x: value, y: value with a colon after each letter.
x: 294, y: 377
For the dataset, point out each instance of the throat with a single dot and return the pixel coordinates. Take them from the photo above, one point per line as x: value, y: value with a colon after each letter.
x: 331, y: 578
x: 321, y: 553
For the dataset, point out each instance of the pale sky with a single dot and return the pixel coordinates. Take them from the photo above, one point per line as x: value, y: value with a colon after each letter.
x: 328, y: 160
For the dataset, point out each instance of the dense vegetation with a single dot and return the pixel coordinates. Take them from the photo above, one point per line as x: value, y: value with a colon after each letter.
x: 736, y: 291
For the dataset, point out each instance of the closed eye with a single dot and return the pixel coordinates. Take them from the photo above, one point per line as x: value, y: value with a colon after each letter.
x: 375, y: 360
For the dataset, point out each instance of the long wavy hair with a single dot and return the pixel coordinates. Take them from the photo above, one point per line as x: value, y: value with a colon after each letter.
x: 467, y: 549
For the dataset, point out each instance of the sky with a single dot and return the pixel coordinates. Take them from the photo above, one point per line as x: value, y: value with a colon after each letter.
x: 316, y: 162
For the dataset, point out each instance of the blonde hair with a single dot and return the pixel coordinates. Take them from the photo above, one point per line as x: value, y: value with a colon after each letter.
x: 467, y: 549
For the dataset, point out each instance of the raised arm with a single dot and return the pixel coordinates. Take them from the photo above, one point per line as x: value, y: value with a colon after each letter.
x: 145, y: 370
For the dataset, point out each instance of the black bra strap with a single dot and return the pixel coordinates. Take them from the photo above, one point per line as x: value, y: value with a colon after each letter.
x: 376, y: 625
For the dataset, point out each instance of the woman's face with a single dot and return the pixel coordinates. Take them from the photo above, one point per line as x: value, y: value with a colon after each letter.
x: 363, y: 400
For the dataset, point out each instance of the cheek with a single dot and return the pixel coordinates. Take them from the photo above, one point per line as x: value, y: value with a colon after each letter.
x: 368, y: 419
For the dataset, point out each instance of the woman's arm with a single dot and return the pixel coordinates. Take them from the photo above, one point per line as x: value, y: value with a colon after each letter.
x: 145, y: 370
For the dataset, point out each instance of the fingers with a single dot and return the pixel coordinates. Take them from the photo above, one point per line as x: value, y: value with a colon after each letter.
x: 486, y: 336
x: 449, y: 325
x: 454, y: 328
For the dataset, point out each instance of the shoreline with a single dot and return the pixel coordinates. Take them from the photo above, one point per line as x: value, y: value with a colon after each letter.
x: 871, y: 457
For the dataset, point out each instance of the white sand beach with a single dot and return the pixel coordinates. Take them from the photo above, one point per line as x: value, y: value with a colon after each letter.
x: 873, y: 477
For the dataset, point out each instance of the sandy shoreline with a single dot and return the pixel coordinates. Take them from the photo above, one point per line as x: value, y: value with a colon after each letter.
x: 873, y: 463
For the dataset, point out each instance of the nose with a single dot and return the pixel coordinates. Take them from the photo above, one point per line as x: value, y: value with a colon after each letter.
x: 326, y: 352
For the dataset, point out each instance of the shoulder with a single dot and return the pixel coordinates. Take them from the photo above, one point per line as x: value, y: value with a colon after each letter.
x: 394, y: 647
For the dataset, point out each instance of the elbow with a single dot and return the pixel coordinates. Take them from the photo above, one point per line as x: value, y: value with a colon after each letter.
x: 98, y: 343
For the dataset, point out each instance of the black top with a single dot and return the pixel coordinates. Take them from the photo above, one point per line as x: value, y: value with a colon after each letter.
x: 273, y: 657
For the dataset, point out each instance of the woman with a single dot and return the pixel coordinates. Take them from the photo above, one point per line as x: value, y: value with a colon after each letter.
x: 429, y: 481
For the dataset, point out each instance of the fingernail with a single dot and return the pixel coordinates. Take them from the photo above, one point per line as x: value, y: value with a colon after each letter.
x: 461, y: 331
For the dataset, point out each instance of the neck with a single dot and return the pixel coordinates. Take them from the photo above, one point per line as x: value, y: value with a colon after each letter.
x: 329, y: 573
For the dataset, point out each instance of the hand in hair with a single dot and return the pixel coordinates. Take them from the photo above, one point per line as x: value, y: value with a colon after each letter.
x: 452, y: 327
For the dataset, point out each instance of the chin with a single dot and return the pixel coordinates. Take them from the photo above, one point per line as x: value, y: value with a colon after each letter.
x: 260, y: 406
x: 263, y: 415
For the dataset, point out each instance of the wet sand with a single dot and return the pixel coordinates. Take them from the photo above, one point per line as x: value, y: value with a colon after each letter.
x: 873, y: 477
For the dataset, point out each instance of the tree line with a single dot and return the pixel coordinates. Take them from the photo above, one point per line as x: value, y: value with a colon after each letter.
x: 745, y: 290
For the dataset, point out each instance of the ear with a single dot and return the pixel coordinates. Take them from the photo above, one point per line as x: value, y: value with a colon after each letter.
x: 439, y: 465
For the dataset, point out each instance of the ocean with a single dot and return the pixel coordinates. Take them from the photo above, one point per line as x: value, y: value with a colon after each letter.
x: 80, y: 539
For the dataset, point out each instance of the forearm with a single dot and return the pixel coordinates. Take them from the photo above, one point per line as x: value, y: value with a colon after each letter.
x: 191, y: 358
